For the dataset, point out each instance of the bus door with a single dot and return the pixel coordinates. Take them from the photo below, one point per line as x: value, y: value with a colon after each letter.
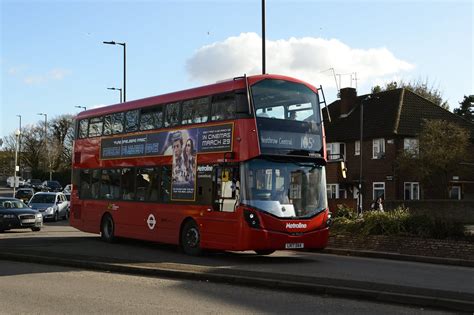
x: 221, y: 222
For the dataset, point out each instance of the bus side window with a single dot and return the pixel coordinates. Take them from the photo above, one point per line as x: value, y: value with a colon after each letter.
x: 85, y: 184
x: 128, y: 184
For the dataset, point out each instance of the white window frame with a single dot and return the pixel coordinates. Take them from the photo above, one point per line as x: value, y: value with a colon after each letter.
x: 378, y: 148
x: 411, y: 145
x: 411, y: 186
x: 357, y: 147
x: 332, y: 190
x: 334, y: 148
x: 459, y: 189
x: 381, y: 187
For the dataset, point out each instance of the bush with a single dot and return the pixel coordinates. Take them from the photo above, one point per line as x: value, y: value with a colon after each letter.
x: 343, y: 211
x: 397, y: 222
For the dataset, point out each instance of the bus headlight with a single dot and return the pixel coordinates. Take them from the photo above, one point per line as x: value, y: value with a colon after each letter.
x: 252, y: 219
x: 329, y: 220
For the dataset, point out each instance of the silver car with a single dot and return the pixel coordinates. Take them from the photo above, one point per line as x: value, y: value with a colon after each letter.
x: 52, y: 205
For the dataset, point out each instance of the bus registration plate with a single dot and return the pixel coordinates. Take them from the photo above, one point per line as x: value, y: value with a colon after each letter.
x: 294, y: 245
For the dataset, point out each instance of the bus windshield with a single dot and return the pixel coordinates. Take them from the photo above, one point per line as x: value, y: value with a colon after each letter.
x: 285, y: 100
x: 284, y: 189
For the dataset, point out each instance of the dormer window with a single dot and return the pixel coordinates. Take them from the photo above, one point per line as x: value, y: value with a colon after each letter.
x: 378, y: 148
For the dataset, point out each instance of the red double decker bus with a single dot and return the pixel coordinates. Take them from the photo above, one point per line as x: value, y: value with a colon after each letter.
x: 237, y: 165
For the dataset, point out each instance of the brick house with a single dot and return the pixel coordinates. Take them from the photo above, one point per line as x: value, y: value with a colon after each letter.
x: 392, y: 121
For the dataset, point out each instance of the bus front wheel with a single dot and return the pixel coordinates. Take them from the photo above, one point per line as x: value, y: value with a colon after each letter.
x: 191, y: 239
x: 107, y: 229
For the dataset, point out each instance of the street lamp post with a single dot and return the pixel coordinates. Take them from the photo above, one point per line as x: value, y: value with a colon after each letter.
x: 263, y: 37
x: 46, y: 143
x: 359, y: 201
x: 19, y: 144
x: 116, y: 89
x: 124, y: 45
x: 83, y: 107
x: 17, y: 134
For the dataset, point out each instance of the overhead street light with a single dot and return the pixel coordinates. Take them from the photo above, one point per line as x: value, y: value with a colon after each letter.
x: 83, y: 107
x: 124, y: 45
x: 116, y: 89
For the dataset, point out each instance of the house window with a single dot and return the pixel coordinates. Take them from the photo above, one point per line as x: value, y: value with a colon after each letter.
x: 342, y: 193
x: 357, y: 148
x: 378, y: 190
x: 410, y: 145
x: 455, y: 192
x: 412, y: 191
x: 336, y: 150
x: 332, y: 191
x: 378, y: 148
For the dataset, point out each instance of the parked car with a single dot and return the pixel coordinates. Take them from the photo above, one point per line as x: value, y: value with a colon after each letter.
x: 36, y: 184
x: 24, y: 194
x: 20, y: 182
x: 52, y: 205
x: 52, y: 185
x: 15, y: 214
x: 67, y: 189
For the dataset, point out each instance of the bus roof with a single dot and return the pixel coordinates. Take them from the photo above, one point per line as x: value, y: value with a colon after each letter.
x: 215, y: 88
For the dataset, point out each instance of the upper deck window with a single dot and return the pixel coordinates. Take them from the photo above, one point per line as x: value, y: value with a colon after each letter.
x: 131, y: 121
x: 95, y: 126
x: 285, y: 100
x: 113, y: 124
x: 223, y: 107
x: 83, y: 126
x: 195, y: 111
x: 151, y: 118
x: 172, y: 114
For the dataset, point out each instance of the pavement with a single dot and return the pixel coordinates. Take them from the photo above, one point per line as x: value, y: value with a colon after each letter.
x: 421, y: 283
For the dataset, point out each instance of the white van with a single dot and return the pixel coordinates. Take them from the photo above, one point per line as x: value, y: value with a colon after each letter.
x: 20, y: 182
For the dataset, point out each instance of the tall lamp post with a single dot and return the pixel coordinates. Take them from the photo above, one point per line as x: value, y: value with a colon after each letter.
x: 359, y: 201
x: 19, y: 145
x: 124, y: 45
x: 17, y: 134
x: 263, y: 37
x: 46, y: 143
x: 116, y: 89
x: 83, y: 107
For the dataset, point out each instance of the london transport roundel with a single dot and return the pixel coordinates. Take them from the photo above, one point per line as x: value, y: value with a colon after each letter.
x: 151, y: 221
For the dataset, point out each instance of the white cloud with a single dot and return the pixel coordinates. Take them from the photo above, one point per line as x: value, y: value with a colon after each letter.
x: 306, y: 58
x: 52, y: 75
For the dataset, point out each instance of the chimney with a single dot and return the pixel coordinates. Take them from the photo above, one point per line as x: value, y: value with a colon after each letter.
x: 348, y: 100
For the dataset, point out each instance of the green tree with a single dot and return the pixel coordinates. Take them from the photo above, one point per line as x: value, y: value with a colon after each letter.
x: 419, y: 87
x: 466, y: 109
x: 442, y: 147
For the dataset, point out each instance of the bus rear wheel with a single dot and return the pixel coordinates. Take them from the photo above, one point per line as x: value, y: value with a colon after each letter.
x: 264, y: 252
x: 191, y: 239
x: 107, y: 229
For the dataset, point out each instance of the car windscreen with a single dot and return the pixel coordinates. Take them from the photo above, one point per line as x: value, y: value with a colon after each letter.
x: 43, y: 198
x: 12, y: 204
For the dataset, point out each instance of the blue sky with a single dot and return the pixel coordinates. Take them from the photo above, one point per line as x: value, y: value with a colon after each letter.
x: 52, y: 57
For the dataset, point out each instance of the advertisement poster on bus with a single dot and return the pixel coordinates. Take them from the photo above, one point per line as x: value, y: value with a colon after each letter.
x: 184, y: 164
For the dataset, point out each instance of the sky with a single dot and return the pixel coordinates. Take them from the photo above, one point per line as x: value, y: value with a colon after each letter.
x: 52, y: 58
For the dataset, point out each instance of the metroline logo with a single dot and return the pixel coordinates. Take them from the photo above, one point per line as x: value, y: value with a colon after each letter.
x: 298, y: 225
